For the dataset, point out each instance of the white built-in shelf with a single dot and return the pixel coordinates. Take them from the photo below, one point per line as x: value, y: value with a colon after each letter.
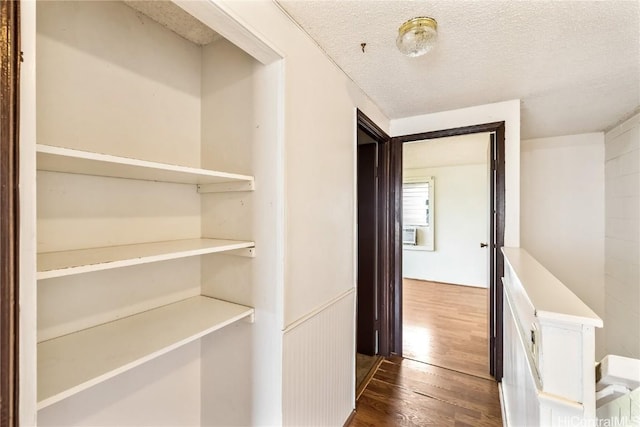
x: 58, y: 159
x: 67, y: 263
x: 72, y: 363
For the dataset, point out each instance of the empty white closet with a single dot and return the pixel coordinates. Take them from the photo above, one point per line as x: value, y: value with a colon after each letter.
x: 156, y: 211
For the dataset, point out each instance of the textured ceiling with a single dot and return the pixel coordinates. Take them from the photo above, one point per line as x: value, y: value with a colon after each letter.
x: 575, y: 65
x: 173, y: 17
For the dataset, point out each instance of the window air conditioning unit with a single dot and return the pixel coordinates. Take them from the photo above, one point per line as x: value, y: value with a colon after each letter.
x: 409, y: 236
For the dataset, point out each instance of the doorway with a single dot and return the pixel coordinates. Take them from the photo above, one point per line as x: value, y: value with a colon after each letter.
x: 368, y: 234
x: 496, y: 214
x: 387, y: 326
x: 372, y: 232
x: 445, y: 205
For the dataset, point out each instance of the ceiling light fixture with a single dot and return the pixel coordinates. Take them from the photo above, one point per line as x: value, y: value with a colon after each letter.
x: 417, y: 36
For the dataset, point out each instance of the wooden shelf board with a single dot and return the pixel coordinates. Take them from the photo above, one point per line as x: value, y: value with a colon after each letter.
x: 72, y: 363
x: 66, y: 263
x: 58, y: 159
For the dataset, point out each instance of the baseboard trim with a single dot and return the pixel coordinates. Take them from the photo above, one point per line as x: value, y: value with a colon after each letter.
x: 446, y: 283
x: 505, y: 422
x: 368, y: 377
x: 350, y: 418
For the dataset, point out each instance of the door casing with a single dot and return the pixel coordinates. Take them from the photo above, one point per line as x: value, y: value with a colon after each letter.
x: 368, y: 256
x: 9, y: 97
x: 497, y: 226
x: 383, y: 268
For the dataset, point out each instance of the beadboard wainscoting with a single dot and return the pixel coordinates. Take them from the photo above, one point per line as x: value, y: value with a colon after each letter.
x: 319, y: 349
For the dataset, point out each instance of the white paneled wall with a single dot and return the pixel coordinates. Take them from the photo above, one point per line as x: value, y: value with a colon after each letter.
x: 519, y: 388
x: 622, y: 242
x: 318, y: 366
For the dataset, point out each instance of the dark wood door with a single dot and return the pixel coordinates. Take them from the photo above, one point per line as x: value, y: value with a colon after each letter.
x: 367, y: 245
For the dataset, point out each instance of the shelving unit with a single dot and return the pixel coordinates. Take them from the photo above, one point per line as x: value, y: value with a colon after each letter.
x: 72, y: 363
x: 58, y: 159
x: 67, y: 263
x: 138, y: 207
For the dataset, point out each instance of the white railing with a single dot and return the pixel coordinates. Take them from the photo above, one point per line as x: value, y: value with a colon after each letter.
x: 549, y: 348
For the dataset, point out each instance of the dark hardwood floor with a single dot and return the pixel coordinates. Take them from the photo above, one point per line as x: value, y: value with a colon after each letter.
x: 448, y: 383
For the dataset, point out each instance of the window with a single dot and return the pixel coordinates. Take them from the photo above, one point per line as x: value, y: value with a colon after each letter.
x: 415, y: 204
x: 417, y: 212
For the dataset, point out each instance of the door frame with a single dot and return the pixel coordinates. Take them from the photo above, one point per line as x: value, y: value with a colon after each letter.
x: 10, y: 58
x: 368, y: 255
x: 384, y: 266
x: 496, y: 267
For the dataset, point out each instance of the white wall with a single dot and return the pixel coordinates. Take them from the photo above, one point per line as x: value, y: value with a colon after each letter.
x: 27, y: 183
x: 98, y: 60
x: 99, y: 65
x: 318, y: 132
x: 239, y: 133
x: 460, y: 211
x: 229, y: 118
x: 133, y: 399
x: 317, y: 137
x: 562, y: 213
x: 622, y: 241
x: 509, y: 112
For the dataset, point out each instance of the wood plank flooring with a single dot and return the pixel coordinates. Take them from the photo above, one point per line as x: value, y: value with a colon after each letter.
x: 405, y: 392
x: 446, y: 325
x: 365, y: 368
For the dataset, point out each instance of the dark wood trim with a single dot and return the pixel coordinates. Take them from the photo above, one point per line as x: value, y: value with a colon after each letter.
x: 492, y: 251
x: 395, y: 220
x: 367, y: 227
x: 368, y: 377
x: 9, y: 121
x: 495, y: 287
x: 385, y: 281
x: 384, y: 246
x: 366, y: 124
x: 480, y: 128
x: 499, y: 264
